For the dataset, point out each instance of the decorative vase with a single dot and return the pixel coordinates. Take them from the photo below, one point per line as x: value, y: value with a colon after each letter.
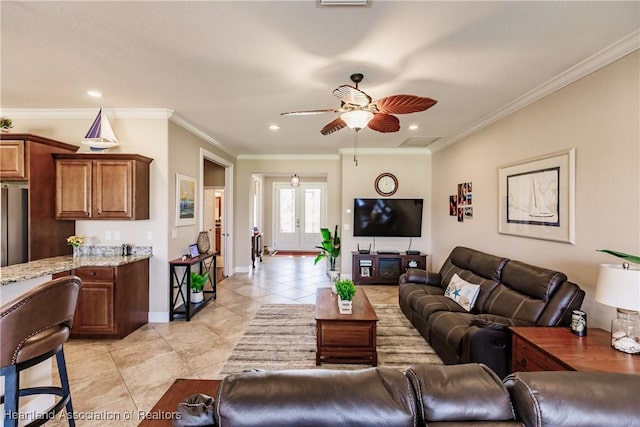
x: 76, y: 251
x: 203, y: 242
x: 333, y: 277
x: 345, y: 306
x: 197, y: 296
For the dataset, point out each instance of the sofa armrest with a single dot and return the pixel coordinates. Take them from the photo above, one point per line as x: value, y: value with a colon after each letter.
x: 489, y: 344
x: 421, y: 277
x: 545, y: 399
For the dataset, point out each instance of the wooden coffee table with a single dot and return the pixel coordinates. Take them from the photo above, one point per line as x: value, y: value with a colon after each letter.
x: 345, y: 338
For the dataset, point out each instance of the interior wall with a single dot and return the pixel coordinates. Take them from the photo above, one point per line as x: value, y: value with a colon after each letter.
x: 266, y: 166
x: 146, y: 136
x: 599, y: 116
x: 413, y: 171
x: 213, y: 174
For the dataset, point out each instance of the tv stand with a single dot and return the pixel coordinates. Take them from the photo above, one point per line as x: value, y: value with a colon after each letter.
x: 383, y: 268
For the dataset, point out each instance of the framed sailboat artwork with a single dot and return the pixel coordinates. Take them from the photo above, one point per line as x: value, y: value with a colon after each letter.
x: 100, y: 135
x: 537, y: 197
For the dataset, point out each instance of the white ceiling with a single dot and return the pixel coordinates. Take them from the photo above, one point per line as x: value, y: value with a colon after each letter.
x: 229, y: 68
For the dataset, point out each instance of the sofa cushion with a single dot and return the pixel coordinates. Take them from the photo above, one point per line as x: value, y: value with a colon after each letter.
x: 316, y: 397
x: 446, y: 331
x: 504, y: 301
x: 462, y: 292
x: 483, y: 264
x: 549, y: 399
x: 470, y: 392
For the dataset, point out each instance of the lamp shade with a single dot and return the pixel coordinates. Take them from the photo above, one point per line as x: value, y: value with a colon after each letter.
x: 618, y: 286
x: 295, y: 180
x: 357, y: 119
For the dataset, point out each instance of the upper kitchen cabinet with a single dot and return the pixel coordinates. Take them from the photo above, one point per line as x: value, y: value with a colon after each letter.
x: 102, y: 186
x: 26, y: 163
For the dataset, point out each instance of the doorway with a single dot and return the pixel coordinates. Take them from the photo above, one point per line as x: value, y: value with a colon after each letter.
x: 298, y: 214
x: 216, y: 212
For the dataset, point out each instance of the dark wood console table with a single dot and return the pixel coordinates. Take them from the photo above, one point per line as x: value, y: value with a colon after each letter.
x: 256, y: 248
x: 557, y: 349
x: 182, y: 284
x: 383, y: 268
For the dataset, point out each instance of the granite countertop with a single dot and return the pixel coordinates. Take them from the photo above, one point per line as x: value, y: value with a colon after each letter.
x: 42, y: 267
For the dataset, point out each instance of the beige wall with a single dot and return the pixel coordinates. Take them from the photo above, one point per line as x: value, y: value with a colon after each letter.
x: 213, y: 174
x: 146, y: 136
x: 413, y: 171
x: 267, y: 166
x: 599, y: 116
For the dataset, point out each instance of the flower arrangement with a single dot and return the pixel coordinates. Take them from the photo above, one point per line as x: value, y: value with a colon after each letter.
x: 75, y: 241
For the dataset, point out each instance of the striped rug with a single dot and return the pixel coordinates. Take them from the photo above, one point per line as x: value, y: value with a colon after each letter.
x: 283, y: 336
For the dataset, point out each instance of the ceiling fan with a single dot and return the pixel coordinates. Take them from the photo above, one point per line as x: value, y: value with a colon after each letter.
x: 358, y: 110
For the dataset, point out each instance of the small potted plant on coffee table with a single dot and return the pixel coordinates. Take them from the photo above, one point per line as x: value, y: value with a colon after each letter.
x: 197, y: 285
x: 345, y: 289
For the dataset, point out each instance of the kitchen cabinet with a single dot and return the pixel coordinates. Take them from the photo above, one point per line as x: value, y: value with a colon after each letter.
x: 12, y: 160
x: 102, y: 186
x: 26, y: 160
x: 113, y: 301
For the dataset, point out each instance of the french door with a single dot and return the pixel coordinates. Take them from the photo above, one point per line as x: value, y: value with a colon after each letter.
x: 298, y: 214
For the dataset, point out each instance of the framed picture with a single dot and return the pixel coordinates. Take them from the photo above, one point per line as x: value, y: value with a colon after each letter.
x: 185, y: 200
x: 537, y: 197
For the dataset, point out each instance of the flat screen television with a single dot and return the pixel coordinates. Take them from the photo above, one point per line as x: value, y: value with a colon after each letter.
x: 387, y: 217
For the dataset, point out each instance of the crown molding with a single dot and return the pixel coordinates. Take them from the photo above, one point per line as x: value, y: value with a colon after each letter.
x: 386, y: 151
x: 288, y: 157
x: 199, y: 133
x: 83, y: 113
x: 606, y: 56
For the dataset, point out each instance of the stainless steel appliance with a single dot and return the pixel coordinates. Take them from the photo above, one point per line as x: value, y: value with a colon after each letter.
x: 14, y: 224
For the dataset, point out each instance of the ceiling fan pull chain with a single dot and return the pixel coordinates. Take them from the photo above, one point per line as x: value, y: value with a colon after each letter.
x: 355, y: 147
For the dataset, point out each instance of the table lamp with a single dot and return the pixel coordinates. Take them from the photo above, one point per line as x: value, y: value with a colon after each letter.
x: 619, y: 286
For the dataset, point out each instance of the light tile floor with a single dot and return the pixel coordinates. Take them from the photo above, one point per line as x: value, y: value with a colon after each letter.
x: 118, y: 380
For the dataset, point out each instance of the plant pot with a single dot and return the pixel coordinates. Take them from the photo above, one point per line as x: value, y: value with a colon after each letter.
x: 345, y: 306
x: 197, y: 296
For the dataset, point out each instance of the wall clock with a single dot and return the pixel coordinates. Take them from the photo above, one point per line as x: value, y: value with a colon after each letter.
x: 386, y: 184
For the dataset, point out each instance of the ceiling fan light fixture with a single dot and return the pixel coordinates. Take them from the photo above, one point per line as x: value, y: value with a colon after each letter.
x: 357, y: 119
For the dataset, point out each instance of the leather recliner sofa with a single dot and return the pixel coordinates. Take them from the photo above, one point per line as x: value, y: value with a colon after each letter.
x: 433, y: 395
x: 511, y: 293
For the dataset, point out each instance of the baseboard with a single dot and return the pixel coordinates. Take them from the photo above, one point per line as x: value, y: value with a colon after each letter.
x: 158, y: 317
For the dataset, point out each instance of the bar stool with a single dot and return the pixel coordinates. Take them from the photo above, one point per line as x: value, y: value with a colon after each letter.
x: 33, y: 329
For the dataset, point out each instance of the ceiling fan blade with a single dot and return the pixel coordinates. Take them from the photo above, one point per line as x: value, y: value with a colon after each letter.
x: 334, y: 126
x: 310, y: 112
x: 351, y: 95
x: 403, y: 104
x: 384, y: 123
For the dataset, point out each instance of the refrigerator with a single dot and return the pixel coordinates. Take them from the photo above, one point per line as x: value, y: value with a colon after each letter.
x: 14, y: 223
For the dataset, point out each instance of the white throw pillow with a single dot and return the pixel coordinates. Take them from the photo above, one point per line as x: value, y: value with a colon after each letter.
x: 462, y: 292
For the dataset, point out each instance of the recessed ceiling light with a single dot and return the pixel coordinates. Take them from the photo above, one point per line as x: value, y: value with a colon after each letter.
x: 94, y: 94
x: 413, y: 127
x: 274, y: 127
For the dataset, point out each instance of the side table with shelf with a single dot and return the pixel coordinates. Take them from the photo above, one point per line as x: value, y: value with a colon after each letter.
x: 181, y: 284
x: 557, y: 349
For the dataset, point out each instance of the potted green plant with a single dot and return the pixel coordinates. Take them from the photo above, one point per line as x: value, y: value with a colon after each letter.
x: 330, y: 247
x: 197, y: 285
x: 345, y: 289
x: 5, y: 124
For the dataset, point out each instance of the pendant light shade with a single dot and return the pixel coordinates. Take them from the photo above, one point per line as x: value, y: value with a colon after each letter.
x: 357, y: 119
x: 295, y: 181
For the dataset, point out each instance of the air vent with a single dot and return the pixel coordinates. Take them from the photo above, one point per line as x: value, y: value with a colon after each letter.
x: 419, y: 141
x: 343, y: 2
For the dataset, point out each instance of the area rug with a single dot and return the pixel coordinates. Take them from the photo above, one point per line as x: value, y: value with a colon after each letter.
x: 283, y: 336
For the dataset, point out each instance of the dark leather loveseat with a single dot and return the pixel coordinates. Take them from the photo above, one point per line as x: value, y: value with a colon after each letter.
x: 511, y: 293
x: 433, y: 395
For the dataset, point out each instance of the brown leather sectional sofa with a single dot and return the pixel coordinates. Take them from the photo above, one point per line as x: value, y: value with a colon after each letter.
x: 433, y: 395
x: 511, y: 293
